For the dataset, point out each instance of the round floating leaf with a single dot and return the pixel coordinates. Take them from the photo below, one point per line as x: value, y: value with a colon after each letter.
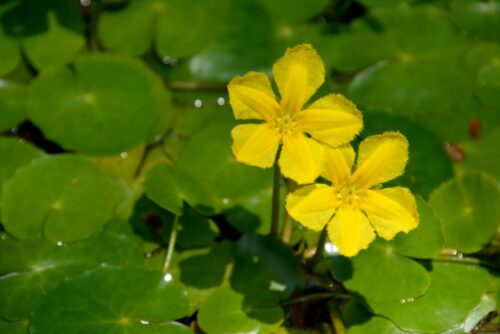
x: 208, y: 155
x: 9, y: 48
x: 428, y: 166
x: 158, y: 22
x: 469, y: 207
x: 377, y: 325
x: 50, y: 35
x: 482, y: 154
x: 265, y: 270
x: 232, y: 55
x: 169, y: 187
x: 424, y: 242
x: 14, y: 154
x: 488, y: 80
x: 61, y: 198
x: 104, y: 106
x: 380, y: 274
x: 33, y: 268
x: 195, y: 230
x: 294, y: 11
x: 455, y: 290
x: 111, y: 299
x: 478, y: 18
x: 486, y: 306
x: 201, y: 271
x: 224, y: 312
x: 12, y: 111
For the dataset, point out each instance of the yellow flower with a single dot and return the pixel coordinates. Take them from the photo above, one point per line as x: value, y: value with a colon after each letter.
x: 332, y: 120
x: 351, y: 206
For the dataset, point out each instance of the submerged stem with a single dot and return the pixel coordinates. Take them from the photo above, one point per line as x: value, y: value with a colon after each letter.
x: 171, y: 245
x: 276, y: 199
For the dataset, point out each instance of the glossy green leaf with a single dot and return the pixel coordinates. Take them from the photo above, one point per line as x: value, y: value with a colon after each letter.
x: 478, y: 18
x: 469, y: 208
x: 486, y: 306
x: 377, y: 325
x: 230, y: 54
x: 111, y: 299
x: 428, y: 165
x: 9, y: 48
x: 169, y: 187
x: 158, y: 22
x: 482, y: 154
x: 424, y: 242
x: 14, y: 154
x: 78, y: 199
x: 195, y: 230
x: 208, y: 155
x: 201, y: 271
x: 12, y: 98
x: 35, y: 267
x: 455, y: 290
x: 265, y: 270
x: 50, y: 35
x: 90, y: 108
x: 380, y: 274
x: 224, y: 312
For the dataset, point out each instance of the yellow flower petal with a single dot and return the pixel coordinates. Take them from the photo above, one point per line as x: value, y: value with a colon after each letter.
x: 338, y: 164
x: 390, y: 210
x: 332, y: 119
x: 301, y: 158
x: 350, y: 231
x: 312, y: 206
x: 381, y: 158
x: 255, y: 144
x: 251, y: 97
x: 298, y: 74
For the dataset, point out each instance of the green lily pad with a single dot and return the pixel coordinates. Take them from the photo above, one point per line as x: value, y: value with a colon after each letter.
x: 424, y: 242
x: 480, y: 19
x: 208, y: 154
x: 201, y: 271
x: 380, y: 274
x: 469, y: 208
x: 482, y: 154
x: 50, y: 35
x: 35, y: 267
x: 9, y: 48
x: 486, y: 306
x: 428, y: 166
x: 169, y: 187
x: 224, y: 312
x: 158, y: 22
x: 106, y: 105
x: 16, y: 327
x: 232, y: 55
x: 111, y: 299
x: 14, y: 154
x: 265, y: 270
x: 418, y: 64
x: 12, y: 111
x: 455, y: 290
x: 377, y: 325
x: 488, y: 80
x: 77, y: 199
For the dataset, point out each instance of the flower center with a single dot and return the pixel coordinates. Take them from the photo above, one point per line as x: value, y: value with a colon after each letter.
x: 285, y: 124
x: 349, y: 195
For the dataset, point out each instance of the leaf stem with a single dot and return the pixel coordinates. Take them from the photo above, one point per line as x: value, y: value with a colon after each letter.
x: 171, y: 244
x: 276, y: 199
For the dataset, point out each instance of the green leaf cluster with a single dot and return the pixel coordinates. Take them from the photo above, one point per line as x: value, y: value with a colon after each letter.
x: 114, y: 120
